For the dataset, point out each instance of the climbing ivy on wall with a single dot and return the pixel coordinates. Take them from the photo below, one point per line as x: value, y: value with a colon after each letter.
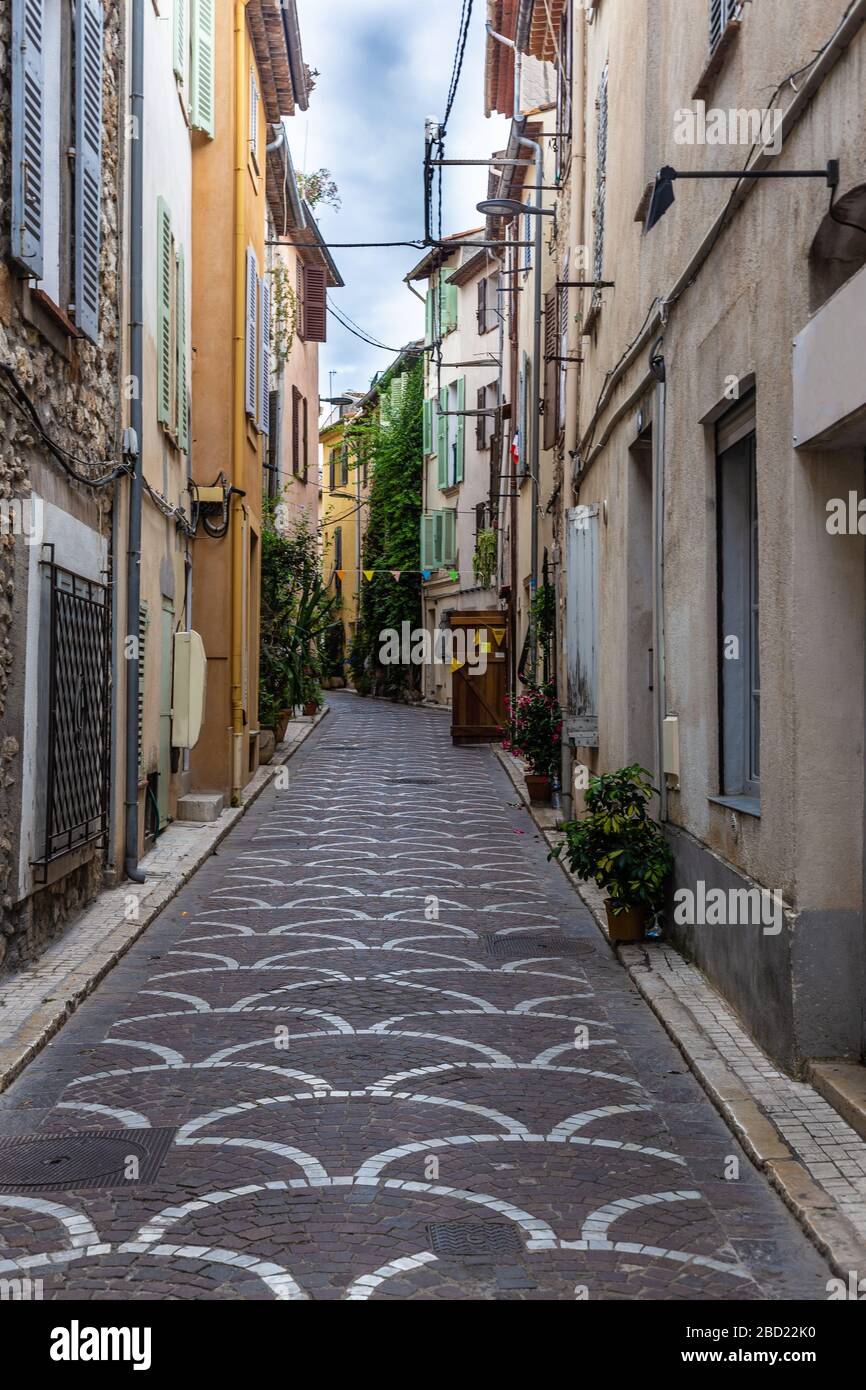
x: 394, y: 449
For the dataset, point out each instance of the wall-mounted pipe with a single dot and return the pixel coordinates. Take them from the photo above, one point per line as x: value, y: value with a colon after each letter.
x: 136, y: 419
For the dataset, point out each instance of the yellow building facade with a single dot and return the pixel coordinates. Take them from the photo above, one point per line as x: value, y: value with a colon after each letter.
x: 343, y: 511
x: 257, y: 60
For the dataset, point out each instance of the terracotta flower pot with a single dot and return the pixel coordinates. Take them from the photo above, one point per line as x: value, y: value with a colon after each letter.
x: 538, y: 789
x: 311, y: 707
x: 625, y: 926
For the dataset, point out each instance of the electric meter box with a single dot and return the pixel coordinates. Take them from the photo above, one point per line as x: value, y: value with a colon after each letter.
x: 189, y: 689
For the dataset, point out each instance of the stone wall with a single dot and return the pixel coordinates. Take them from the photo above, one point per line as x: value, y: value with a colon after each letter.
x: 74, y: 385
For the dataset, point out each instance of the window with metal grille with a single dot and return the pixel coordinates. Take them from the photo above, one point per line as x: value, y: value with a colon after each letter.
x: 564, y: 88
x: 73, y: 776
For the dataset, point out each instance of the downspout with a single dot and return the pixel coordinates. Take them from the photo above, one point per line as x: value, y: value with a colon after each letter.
x: 535, y: 456
x: 572, y: 400
x: 136, y: 417
x: 237, y: 506
x: 659, y: 582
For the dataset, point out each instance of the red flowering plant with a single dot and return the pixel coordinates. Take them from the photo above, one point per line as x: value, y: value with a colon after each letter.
x: 534, y: 729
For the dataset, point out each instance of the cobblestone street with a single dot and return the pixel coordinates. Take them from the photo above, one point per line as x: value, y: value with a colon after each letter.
x: 396, y: 1060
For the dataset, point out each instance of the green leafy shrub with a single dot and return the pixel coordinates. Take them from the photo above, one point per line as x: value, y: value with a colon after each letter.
x: 296, y: 613
x: 616, y: 845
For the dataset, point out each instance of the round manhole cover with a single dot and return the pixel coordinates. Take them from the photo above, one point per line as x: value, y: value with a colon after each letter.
x: 64, y: 1162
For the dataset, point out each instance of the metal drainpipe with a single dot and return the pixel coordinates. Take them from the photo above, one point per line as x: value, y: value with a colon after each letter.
x: 659, y: 567
x: 136, y: 417
x: 238, y: 514
x: 535, y: 456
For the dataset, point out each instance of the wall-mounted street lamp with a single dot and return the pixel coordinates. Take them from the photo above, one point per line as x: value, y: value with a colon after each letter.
x: 663, y: 188
x: 511, y: 207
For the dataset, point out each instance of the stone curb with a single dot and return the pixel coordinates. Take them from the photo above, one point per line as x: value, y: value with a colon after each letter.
x: 45, y: 1020
x: 814, y: 1209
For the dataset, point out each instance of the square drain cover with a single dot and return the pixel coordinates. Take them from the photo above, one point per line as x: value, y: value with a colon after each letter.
x: 463, y: 1238
x: 102, y: 1158
x: 518, y: 945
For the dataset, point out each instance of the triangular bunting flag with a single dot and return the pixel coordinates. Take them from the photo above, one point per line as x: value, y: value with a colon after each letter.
x: 499, y: 634
x: 455, y: 666
x: 455, y: 575
x: 341, y: 575
x: 395, y: 574
x: 425, y: 574
x: 368, y: 574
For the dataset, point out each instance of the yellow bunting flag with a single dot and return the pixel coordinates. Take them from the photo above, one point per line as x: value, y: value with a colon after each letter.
x: 455, y: 666
x: 368, y: 574
x: 499, y: 634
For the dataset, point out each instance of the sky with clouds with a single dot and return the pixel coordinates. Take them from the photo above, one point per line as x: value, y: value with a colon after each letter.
x: 384, y: 66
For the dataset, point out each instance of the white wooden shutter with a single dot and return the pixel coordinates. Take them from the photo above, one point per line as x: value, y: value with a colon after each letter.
x: 254, y: 117
x: 164, y: 255
x: 88, y: 163
x: 581, y: 641
x: 202, y: 76
x: 265, y: 383
x: 182, y: 378
x: 28, y: 98
x: 179, y: 38
x: 251, y: 346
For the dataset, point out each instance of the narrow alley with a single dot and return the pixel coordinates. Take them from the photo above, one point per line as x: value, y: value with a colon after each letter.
x: 377, y: 1048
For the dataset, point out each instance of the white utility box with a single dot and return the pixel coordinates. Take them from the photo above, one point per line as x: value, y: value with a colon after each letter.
x: 189, y: 689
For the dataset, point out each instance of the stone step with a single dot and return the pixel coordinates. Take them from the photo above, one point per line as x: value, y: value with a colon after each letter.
x: 843, y: 1085
x: 200, y: 806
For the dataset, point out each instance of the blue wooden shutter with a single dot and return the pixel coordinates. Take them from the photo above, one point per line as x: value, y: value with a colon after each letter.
x: 265, y: 383
x: 202, y: 76
x: 461, y: 431
x: 442, y: 438
x: 164, y: 256
x: 581, y: 644
x: 251, y: 343
x: 28, y: 98
x: 88, y: 163
x: 182, y: 379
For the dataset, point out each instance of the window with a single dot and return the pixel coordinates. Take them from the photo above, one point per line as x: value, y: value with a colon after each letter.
x: 486, y: 312
x: 447, y: 307
x: 265, y: 356
x: 738, y: 606
x: 180, y: 39
x: 254, y: 120
x: 488, y: 399
x: 564, y: 88
x: 202, y: 65
x: 312, y: 303
x: 332, y: 470
x: 57, y: 201
x: 551, y: 367
x: 338, y: 559
x: 562, y: 386
x: 524, y: 415
x: 172, y: 389
x: 251, y: 353
x: 600, y: 185
x: 451, y: 434
x: 581, y: 636
x: 721, y: 14
x: 439, y: 539
x: 344, y: 465
x: 427, y: 417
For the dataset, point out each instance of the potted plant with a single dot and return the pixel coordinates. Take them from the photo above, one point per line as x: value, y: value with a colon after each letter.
x: 534, y: 733
x: 312, y: 693
x: 623, y: 851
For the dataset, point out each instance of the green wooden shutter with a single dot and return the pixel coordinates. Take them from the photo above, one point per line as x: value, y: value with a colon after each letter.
x: 437, y: 540
x: 203, y: 77
x: 428, y: 316
x: 182, y: 376
x: 461, y: 430
x: 28, y: 105
x: 449, y: 537
x: 449, y: 308
x: 179, y: 38
x: 427, y: 415
x: 88, y: 164
x: 442, y: 438
x: 163, y: 310
x: 428, y: 559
